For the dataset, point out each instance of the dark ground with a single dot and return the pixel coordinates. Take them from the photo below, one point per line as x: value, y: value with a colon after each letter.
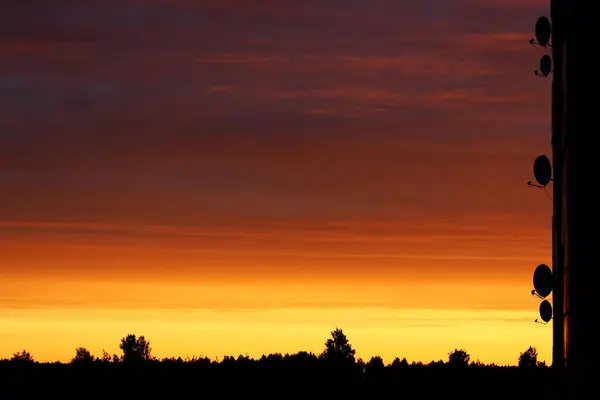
x: 282, y: 380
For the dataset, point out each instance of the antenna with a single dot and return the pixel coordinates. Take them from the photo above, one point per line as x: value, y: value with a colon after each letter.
x: 543, y: 30
x: 529, y: 183
x: 533, y: 293
x: 542, y: 281
x: 546, y: 311
x: 545, y: 66
x: 542, y: 171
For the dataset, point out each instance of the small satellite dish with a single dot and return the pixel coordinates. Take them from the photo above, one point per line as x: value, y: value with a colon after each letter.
x: 542, y: 170
x: 546, y: 311
x: 543, y: 30
x: 542, y: 280
x: 545, y: 65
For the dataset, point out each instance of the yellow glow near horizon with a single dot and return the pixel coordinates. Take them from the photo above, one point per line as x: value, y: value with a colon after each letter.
x: 417, y: 334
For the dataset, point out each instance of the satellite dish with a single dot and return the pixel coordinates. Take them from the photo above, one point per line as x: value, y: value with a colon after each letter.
x: 542, y: 170
x: 542, y: 280
x: 546, y: 311
x: 543, y: 30
x: 545, y: 65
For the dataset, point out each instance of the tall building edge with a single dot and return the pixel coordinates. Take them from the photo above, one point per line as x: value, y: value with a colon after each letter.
x: 558, y: 341
x: 580, y: 167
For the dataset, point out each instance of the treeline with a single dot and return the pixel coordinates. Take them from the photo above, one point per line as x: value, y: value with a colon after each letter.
x: 336, y: 370
x: 337, y: 350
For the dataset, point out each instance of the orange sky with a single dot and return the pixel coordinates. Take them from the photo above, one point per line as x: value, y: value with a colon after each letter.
x: 244, y: 176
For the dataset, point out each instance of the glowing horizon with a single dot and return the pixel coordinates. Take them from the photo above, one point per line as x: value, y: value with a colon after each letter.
x: 214, y: 334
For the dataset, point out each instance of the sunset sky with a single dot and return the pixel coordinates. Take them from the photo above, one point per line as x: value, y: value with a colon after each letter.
x: 229, y: 176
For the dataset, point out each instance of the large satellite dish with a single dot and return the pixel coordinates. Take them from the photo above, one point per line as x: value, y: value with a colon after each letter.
x: 543, y: 30
x: 546, y: 311
x: 542, y: 170
x: 545, y: 65
x: 542, y: 280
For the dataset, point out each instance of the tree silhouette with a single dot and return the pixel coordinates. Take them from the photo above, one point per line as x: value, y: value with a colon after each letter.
x: 82, y: 355
x: 376, y: 362
x: 302, y: 373
x: 106, y: 358
x: 338, y: 348
x: 302, y: 358
x: 541, y: 364
x: 22, y: 357
x: 135, y: 349
x: 399, y: 363
x: 528, y: 359
x: 272, y: 359
x: 459, y: 358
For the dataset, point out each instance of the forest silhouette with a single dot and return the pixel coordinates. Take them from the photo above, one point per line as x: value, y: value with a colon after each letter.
x: 336, y: 372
